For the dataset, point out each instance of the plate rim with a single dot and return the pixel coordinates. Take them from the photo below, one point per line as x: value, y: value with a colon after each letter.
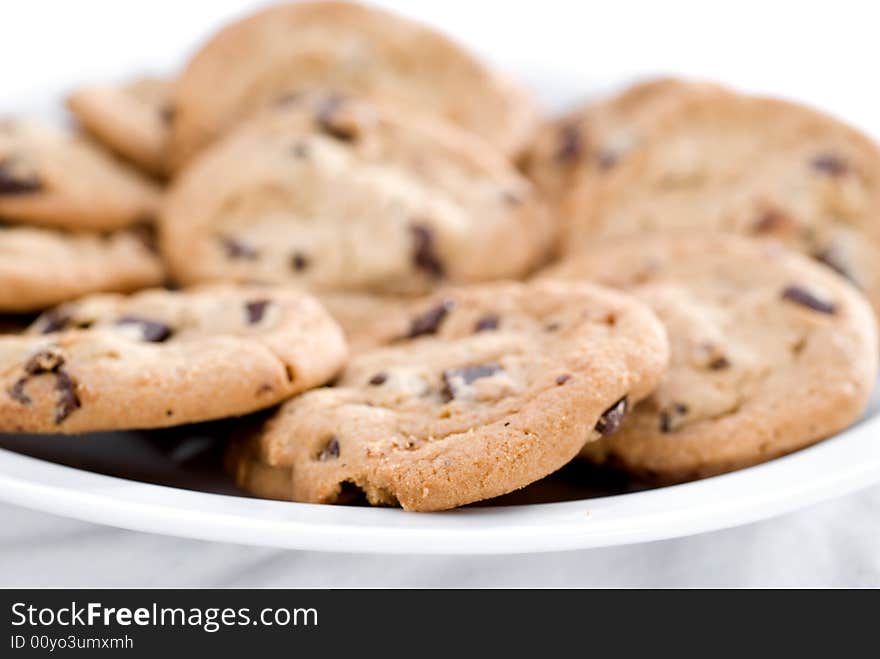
x: 839, y: 465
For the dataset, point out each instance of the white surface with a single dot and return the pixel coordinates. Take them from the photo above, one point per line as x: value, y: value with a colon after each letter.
x: 814, y: 52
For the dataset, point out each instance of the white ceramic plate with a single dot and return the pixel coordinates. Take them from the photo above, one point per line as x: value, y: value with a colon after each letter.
x: 840, y: 465
x: 171, y: 482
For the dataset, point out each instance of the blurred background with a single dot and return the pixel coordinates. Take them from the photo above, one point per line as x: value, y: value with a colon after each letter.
x: 825, y: 54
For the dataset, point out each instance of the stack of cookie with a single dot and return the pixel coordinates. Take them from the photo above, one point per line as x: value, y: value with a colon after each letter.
x: 436, y: 297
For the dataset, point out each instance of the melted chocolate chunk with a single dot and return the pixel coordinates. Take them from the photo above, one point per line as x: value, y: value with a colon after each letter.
x: 424, y: 255
x: 328, y: 122
x: 834, y: 260
x: 668, y: 417
x: 44, y: 361
x: 455, y: 378
x: 300, y: 150
x: 330, y: 451
x: 235, y: 249
x: 68, y: 401
x: 166, y: 113
x: 429, y: 322
x: 255, y: 310
x: 771, y: 221
x: 570, y: 144
x: 53, y: 320
x: 611, y: 418
x: 719, y: 363
x: 487, y: 323
x: 16, y: 183
x: 150, y: 330
x: 562, y: 379
x: 378, y: 379
x: 299, y: 261
x: 803, y: 297
x: 16, y: 391
x: 830, y: 164
x: 145, y: 233
x: 51, y: 361
x: 607, y: 159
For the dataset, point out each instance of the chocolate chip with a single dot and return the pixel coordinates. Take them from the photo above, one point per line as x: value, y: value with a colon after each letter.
x: 289, y: 98
x: 668, y: 417
x: 612, y: 417
x: 14, y: 182
x: 429, y: 322
x: 378, y: 379
x: 570, y: 143
x: 562, y: 379
x: 424, y: 254
x: 235, y: 249
x: 456, y: 378
x: 487, y: 323
x: 327, y: 119
x: 16, y: 391
x: 771, y: 221
x: 607, y: 159
x: 150, y: 330
x: 255, y: 310
x: 551, y: 327
x: 300, y: 150
x: 68, y: 401
x: 834, y: 260
x: 330, y: 451
x: 51, y: 361
x: 299, y: 261
x: 53, y: 320
x: 805, y: 298
x: 166, y: 113
x: 830, y: 164
x: 48, y: 360
x: 145, y: 233
x: 719, y: 363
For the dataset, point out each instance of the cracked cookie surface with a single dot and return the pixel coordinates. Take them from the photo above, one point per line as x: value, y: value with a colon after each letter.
x: 752, y: 166
x: 487, y: 389
x: 334, y: 193
x: 770, y: 352
x: 130, y: 119
x: 161, y: 358
x: 40, y: 268
x: 352, y: 48
x: 51, y: 178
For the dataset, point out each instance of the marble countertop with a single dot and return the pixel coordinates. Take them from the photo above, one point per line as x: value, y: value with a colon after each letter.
x: 833, y: 544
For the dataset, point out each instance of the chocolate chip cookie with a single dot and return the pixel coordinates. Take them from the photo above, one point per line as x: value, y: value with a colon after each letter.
x: 771, y: 352
x: 338, y: 194
x: 161, y: 358
x: 584, y: 145
x: 487, y: 389
x: 753, y: 166
x: 356, y: 49
x: 40, y: 268
x: 50, y: 178
x: 131, y: 119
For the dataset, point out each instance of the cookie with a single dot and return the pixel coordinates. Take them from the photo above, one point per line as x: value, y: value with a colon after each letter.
x: 337, y: 194
x: 132, y: 120
x: 352, y: 48
x: 40, y: 268
x: 587, y: 143
x: 368, y: 321
x: 161, y: 358
x: 771, y: 352
x: 50, y: 178
x: 489, y: 388
x: 752, y: 166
